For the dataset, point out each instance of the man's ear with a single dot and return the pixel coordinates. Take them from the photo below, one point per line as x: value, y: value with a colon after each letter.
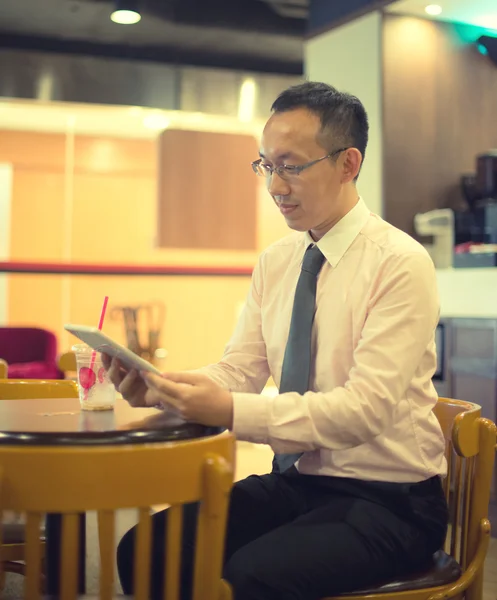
x: 352, y: 161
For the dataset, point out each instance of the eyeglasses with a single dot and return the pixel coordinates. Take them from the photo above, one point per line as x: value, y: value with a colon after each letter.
x: 288, y: 171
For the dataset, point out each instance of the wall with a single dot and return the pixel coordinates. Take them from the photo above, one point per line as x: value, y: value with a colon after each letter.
x: 5, y: 204
x: 349, y: 58
x: 93, y: 199
x: 440, y: 97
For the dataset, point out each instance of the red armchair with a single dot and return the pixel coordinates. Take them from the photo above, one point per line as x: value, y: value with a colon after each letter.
x: 31, y: 353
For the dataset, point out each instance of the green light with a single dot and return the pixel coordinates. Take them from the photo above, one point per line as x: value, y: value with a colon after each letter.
x: 468, y: 34
x: 482, y: 50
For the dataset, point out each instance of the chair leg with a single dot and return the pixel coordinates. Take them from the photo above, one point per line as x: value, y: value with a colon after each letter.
x: 475, y: 590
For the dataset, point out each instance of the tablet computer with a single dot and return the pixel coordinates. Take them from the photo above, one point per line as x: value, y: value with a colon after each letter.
x: 100, y: 342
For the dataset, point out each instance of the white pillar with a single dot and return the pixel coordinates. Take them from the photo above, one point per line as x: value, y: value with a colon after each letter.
x: 350, y: 58
x: 67, y: 230
x: 5, y: 204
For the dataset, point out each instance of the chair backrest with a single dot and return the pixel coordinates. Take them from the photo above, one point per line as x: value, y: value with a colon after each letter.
x: 4, y: 369
x: 67, y: 362
x: 72, y: 480
x: 470, y: 451
x: 25, y: 389
x: 27, y: 344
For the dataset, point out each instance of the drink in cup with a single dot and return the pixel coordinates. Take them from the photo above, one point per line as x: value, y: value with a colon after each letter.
x: 96, y: 391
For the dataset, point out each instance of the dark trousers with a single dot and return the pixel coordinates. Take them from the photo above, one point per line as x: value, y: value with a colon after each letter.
x: 303, y: 537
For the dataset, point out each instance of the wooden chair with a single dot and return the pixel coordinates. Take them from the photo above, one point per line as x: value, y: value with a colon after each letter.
x: 4, y: 369
x: 456, y: 572
x: 67, y: 362
x: 72, y: 480
x: 23, y: 389
x: 13, y: 532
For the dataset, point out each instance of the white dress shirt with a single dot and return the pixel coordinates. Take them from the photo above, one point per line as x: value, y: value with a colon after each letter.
x: 368, y: 412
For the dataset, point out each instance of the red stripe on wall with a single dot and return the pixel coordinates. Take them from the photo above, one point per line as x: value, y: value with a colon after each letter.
x: 116, y: 269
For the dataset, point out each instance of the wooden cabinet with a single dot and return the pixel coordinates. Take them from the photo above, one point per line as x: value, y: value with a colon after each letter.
x: 207, y: 190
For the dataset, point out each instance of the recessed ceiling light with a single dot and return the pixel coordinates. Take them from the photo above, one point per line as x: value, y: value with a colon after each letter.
x: 433, y: 10
x: 125, y: 17
x: 126, y: 12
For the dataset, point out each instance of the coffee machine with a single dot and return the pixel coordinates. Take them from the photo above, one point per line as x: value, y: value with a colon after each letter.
x: 478, y: 224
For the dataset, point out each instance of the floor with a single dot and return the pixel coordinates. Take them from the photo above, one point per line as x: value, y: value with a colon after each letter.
x: 250, y: 459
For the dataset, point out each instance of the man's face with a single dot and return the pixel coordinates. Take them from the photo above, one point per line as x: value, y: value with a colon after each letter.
x: 309, y: 200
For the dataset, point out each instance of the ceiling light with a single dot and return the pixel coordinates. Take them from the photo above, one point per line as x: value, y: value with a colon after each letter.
x: 126, y: 12
x: 247, y: 100
x: 433, y: 10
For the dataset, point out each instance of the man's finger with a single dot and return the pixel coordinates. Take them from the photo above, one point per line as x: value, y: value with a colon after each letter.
x: 161, y: 384
x: 106, y: 361
x: 115, y: 373
x: 128, y: 382
x: 153, y: 397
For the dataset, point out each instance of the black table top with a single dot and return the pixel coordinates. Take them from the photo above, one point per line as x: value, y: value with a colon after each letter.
x: 61, y: 421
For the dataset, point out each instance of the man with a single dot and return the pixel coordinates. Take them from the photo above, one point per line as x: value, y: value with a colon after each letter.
x: 342, y: 315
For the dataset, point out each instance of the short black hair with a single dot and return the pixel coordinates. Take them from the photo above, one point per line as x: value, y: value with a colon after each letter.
x: 344, y: 121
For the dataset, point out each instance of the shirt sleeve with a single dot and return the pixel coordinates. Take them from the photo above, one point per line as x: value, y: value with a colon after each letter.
x: 402, y: 317
x: 244, y: 366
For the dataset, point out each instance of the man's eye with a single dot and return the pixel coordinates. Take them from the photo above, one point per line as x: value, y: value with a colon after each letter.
x: 290, y: 167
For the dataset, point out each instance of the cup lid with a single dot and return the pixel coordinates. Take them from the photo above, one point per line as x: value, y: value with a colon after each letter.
x: 82, y: 349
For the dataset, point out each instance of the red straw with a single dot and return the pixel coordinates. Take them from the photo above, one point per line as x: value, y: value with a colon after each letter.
x: 100, y: 325
x: 102, y: 314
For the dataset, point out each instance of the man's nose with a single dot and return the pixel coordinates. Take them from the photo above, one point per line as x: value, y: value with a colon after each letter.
x: 277, y: 186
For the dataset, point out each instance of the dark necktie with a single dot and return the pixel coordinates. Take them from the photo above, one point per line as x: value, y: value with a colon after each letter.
x: 297, y: 360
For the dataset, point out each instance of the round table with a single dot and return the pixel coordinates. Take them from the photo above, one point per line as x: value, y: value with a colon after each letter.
x: 61, y: 422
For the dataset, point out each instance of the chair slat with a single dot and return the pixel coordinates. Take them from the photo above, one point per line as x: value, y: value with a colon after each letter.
x: 198, y: 570
x: 469, y: 466
x: 173, y: 552
x: 212, y: 530
x: 458, y: 483
x: 106, y: 537
x: 447, y: 480
x: 32, y: 583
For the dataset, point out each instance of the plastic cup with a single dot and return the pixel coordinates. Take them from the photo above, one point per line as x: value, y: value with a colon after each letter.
x: 96, y: 391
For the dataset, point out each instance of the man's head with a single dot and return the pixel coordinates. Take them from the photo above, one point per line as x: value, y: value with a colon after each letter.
x: 313, y: 123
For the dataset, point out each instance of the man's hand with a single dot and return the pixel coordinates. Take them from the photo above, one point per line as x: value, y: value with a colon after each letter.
x: 129, y: 384
x: 194, y: 397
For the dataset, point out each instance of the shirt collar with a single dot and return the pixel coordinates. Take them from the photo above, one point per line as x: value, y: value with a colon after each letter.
x: 338, y: 239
